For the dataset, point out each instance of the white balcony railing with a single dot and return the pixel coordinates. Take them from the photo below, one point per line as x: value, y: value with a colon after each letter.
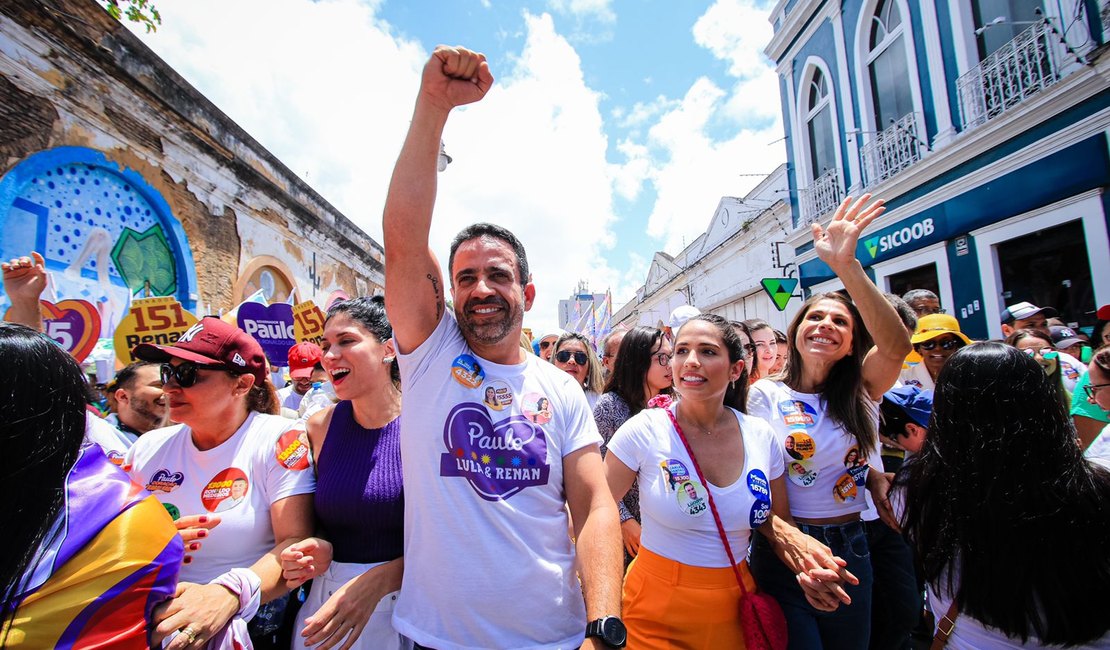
x: 891, y: 151
x: 821, y: 197
x: 1017, y: 70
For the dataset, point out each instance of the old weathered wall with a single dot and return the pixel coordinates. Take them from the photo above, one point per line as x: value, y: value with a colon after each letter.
x: 127, y: 178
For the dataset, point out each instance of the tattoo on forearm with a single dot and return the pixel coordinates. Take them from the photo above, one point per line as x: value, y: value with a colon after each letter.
x: 439, y: 298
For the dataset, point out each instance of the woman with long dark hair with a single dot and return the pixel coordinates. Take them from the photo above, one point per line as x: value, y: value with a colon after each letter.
x: 766, y: 348
x: 226, y: 456
x: 702, y: 461
x: 844, y: 354
x: 1007, y: 518
x: 642, y: 371
x: 85, y: 559
x: 355, y: 561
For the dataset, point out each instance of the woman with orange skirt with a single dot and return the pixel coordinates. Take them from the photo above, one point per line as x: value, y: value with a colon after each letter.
x: 682, y: 590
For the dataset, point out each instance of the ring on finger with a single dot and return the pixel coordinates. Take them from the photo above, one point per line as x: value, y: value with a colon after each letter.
x: 189, y: 633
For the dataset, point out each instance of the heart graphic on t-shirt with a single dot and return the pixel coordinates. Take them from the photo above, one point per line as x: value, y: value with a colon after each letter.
x: 499, y: 459
x: 164, y: 481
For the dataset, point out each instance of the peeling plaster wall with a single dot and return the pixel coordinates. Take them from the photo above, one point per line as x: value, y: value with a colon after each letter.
x: 79, y: 78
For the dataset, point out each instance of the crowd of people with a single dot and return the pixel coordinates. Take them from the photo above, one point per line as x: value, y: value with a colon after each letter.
x: 866, y: 474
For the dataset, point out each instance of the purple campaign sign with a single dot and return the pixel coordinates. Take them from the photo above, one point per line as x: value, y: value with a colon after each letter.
x: 272, y: 327
x: 499, y: 459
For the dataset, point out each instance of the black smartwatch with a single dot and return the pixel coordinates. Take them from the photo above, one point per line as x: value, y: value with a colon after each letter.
x: 610, y: 629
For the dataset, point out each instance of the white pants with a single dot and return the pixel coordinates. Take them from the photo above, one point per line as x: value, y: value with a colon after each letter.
x: 378, y: 633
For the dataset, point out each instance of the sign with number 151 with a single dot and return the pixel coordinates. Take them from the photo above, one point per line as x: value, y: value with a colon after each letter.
x: 308, y: 322
x: 160, y: 320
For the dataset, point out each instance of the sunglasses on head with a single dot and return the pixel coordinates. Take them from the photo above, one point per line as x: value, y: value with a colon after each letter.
x: 563, y: 356
x: 947, y: 344
x: 184, y: 375
x: 1047, y: 355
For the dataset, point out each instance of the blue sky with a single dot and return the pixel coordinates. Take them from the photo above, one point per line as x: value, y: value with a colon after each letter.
x: 614, y: 128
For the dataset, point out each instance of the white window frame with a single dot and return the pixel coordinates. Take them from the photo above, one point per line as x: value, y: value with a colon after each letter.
x: 1086, y: 207
x: 934, y: 254
x: 804, y: 114
x: 864, y: 58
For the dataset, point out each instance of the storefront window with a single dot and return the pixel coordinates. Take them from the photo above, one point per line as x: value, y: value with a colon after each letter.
x: 1049, y: 268
x: 921, y: 277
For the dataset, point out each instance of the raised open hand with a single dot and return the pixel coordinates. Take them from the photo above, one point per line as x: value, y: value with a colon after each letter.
x: 455, y: 76
x: 836, y: 244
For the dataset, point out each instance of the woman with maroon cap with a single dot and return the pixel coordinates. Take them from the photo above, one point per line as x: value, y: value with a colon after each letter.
x: 227, y: 455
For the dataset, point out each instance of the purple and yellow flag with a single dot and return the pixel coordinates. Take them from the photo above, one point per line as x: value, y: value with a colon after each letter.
x: 113, y: 555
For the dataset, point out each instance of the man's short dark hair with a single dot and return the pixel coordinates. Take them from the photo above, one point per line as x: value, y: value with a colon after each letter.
x: 905, y: 312
x: 478, y: 230
x: 125, y: 378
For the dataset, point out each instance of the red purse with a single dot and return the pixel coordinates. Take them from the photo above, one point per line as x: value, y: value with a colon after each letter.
x: 761, y: 617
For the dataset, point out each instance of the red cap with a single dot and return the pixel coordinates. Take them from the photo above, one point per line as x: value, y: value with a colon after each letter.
x: 303, y: 357
x: 212, y: 342
x: 1103, y: 312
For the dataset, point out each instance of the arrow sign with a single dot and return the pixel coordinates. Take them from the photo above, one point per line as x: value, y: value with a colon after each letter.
x: 781, y: 290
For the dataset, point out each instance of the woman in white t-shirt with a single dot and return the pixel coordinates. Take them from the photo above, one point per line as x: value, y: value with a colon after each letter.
x: 845, y: 353
x: 225, y: 457
x: 1004, y: 512
x: 681, y: 590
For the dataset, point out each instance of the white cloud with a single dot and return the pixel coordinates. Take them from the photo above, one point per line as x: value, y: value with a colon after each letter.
x: 697, y: 147
x: 600, y: 10
x: 328, y: 88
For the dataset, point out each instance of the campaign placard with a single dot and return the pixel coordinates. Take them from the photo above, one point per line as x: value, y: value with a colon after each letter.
x: 160, y: 320
x: 271, y: 326
x: 73, y: 324
x: 308, y: 323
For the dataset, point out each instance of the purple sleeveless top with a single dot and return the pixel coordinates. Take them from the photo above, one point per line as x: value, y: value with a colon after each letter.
x: 359, y: 500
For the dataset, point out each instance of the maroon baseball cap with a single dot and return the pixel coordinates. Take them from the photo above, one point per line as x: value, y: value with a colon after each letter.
x: 303, y: 357
x: 212, y: 342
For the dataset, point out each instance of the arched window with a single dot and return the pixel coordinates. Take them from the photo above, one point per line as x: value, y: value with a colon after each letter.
x: 886, y: 63
x: 822, y: 147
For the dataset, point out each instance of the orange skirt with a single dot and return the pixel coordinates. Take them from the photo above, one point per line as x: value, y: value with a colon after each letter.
x: 668, y: 605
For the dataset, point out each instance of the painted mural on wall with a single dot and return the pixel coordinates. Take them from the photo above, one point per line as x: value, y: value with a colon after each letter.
x: 106, y: 234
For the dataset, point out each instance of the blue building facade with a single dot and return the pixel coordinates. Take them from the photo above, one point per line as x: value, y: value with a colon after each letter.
x: 984, y: 125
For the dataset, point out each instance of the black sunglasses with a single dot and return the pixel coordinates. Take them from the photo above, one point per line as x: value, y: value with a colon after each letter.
x: 947, y: 344
x: 545, y: 344
x: 563, y: 356
x: 184, y: 375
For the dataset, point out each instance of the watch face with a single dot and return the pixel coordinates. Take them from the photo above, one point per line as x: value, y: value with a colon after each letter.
x: 613, y: 632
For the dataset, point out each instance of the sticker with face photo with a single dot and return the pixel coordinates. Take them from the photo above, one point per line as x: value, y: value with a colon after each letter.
x: 225, y: 491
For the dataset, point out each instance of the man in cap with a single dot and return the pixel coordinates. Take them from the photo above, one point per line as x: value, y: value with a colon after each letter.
x: 1066, y: 340
x: 488, y: 562
x: 545, y: 345
x: 304, y: 370
x: 1027, y: 316
x: 679, y: 316
x: 905, y: 416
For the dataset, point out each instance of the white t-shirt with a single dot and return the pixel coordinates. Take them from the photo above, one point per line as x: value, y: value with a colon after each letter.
x: 677, y: 521
x: 826, y: 472
x: 239, y: 480
x: 970, y: 634
x: 488, y: 562
x: 917, y: 375
x: 114, y: 442
x: 1071, y: 369
x: 1099, y: 450
x: 290, y: 398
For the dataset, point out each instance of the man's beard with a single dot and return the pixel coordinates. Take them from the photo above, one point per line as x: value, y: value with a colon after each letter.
x: 148, y: 418
x: 490, y: 332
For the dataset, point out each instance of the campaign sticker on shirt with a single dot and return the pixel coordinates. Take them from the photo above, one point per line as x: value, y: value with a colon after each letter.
x: 115, y: 457
x: 692, y: 498
x: 497, y: 395
x: 467, y: 371
x: 175, y: 514
x: 226, y: 490
x: 797, y: 414
x: 165, y: 481
x: 292, y: 449
x: 799, y: 446
x: 497, y: 459
x: 675, y: 473
x: 761, y: 510
x: 800, y: 474
x: 845, y: 489
x: 758, y: 485
x: 537, y: 408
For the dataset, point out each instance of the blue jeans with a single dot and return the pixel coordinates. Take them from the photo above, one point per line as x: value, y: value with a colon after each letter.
x: 847, y: 628
x: 896, y: 599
